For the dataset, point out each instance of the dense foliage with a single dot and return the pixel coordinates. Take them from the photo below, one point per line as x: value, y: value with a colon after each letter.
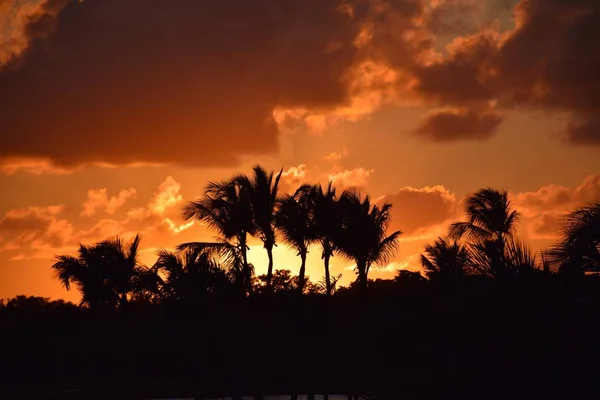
x: 487, y: 312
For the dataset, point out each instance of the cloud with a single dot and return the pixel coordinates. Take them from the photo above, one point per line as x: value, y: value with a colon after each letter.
x: 171, y: 83
x: 42, y: 232
x: 180, y: 81
x: 167, y: 195
x: 459, y: 124
x: 370, y: 85
x: 98, y: 198
x: 563, y: 198
x: 421, y: 213
x: 544, y: 208
x: 158, y: 221
x: 409, y: 263
x: 356, y: 177
x: 547, y: 62
x: 32, y: 229
x: 292, y: 178
x: 337, y: 156
x: 24, y: 21
x: 11, y: 165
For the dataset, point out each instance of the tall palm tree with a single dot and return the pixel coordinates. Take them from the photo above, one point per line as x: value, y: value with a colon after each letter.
x: 578, y: 250
x: 295, y: 222
x: 263, y: 187
x: 363, y: 236
x: 107, y: 273
x: 327, y: 223
x: 446, y: 262
x: 227, y: 208
x: 490, y: 218
x: 491, y: 221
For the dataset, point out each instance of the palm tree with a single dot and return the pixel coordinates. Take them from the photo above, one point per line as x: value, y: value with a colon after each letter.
x: 227, y: 208
x: 327, y: 223
x: 490, y: 218
x: 225, y: 256
x: 106, y: 273
x: 491, y: 221
x: 295, y: 222
x: 446, y: 262
x: 363, y: 236
x: 262, y: 188
x: 322, y: 285
x: 578, y: 250
x: 191, y: 275
x: 514, y: 259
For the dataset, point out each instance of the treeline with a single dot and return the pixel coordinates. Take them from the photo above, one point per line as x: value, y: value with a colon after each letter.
x: 109, y: 275
x: 489, y: 319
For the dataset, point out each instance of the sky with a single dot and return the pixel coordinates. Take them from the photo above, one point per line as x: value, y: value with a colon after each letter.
x: 114, y: 113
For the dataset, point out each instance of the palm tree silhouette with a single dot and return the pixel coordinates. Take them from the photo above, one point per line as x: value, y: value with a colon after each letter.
x: 446, y: 262
x: 327, y: 223
x: 514, y: 259
x: 295, y: 222
x: 191, y: 275
x: 227, y: 208
x: 262, y: 188
x: 363, y: 236
x: 578, y: 250
x: 230, y: 259
x: 491, y: 220
x: 106, y: 273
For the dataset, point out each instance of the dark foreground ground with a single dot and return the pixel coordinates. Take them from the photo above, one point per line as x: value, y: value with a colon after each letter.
x: 404, y: 347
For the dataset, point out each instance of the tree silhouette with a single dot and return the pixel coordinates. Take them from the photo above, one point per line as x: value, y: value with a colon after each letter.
x: 327, y: 223
x: 230, y: 259
x: 106, y: 274
x: 513, y: 259
x: 578, y: 249
x: 363, y: 236
x: 262, y: 188
x: 283, y: 282
x: 491, y: 220
x: 227, y: 208
x: 191, y: 275
x: 446, y: 262
x: 295, y: 222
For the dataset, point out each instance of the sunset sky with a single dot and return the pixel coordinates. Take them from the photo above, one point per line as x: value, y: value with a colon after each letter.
x: 114, y: 113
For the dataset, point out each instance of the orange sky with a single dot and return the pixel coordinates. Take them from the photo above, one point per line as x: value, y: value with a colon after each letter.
x: 114, y: 113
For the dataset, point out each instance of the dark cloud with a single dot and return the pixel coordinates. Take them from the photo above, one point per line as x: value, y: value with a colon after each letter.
x: 186, y: 81
x: 196, y: 82
x: 548, y: 62
x: 454, y: 125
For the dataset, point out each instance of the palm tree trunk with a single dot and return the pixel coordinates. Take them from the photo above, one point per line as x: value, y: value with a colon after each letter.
x: 362, y: 277
x: 124, y: 300
x: 326, y: 256
x: 269, y: 248
x: 302, y: 272
x: 247, y: 285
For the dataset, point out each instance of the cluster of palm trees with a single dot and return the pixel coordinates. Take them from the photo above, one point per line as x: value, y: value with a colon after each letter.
x: 487, y: 244
x: 346, y: 224
x: 350, y: 225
